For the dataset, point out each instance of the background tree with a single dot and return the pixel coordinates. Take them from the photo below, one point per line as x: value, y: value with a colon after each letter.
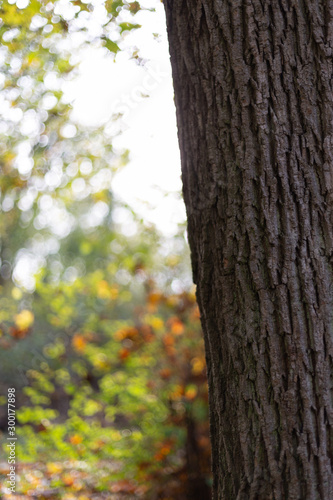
x: 254, y: 102
x: 104, y: 351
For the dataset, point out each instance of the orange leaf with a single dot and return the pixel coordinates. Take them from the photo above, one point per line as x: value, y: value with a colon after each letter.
x: 165, y: 450
x: 165, y: 373
x: 18, y: 333
x: 75, y: 439
x: 177, y: 327
x: 126, y: 333
x: 67, y: 479
x: 79, y: 342
x: 154, y: 298
x: 123, y: 353
x: 147, y: 333
x: 198, y: 365
x: 123, y: 486
x: 191, y: 392
x: 177, y: 393
x: 168, y: 340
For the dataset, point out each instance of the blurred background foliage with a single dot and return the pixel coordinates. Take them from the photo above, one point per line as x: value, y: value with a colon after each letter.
x: 99, y: 328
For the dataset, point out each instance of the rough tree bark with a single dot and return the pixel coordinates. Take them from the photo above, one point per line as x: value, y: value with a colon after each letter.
x: 254, y: 98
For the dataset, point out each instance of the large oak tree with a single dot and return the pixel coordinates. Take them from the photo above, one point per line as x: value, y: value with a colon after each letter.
x: 254, y: 98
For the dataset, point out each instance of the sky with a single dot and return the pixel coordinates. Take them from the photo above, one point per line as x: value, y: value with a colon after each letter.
x: 151, y: 181
x: 143, y: 93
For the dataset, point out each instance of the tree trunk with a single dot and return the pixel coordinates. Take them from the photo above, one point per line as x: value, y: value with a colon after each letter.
x: 254, y: 99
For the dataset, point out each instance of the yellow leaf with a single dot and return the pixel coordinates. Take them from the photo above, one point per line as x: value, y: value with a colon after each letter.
x: 173, y: 260
x: 105, y: 291
x: 156, y: 323
x: 197, y: 365
x: 114, y: 293
x: 54, y: 467
x: 101, y: 362
x: 24, y: 319
x: 16, y: 293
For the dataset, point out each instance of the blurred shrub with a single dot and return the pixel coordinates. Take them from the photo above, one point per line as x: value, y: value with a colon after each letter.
x: 122, y: 384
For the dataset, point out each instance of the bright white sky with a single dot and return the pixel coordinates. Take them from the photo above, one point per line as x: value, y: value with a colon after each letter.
x: 151, y: 182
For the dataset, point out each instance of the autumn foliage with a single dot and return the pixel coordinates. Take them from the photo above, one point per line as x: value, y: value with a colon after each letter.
x: 99, y: 331
x: 129, y: 392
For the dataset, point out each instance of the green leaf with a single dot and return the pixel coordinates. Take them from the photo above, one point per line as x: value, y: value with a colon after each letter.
x: 128, y: 26
x: 111, y: 46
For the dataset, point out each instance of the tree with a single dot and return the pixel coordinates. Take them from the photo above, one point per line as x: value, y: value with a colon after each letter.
x: 254, y: 103
x: 103, y: 350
